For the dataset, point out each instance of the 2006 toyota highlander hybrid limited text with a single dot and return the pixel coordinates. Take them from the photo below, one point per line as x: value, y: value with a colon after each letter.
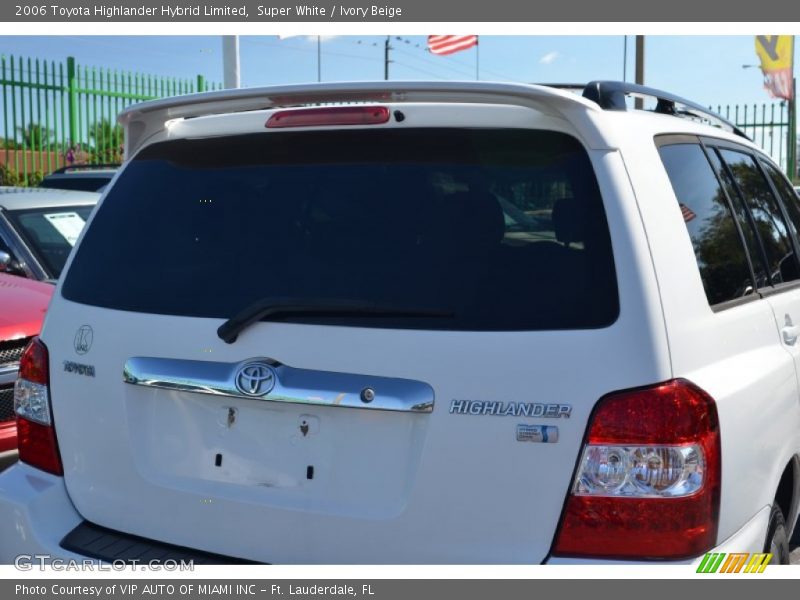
x: 419, y: 323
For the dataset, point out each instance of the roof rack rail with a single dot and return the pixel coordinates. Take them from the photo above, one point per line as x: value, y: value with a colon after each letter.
x: 563, y: 86
x: 86, y: 167
x: 610, y: 95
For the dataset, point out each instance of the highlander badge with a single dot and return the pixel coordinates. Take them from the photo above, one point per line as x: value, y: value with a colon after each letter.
x: 510, y: 409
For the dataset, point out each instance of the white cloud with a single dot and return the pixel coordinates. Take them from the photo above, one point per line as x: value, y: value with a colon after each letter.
x: 549, y: 58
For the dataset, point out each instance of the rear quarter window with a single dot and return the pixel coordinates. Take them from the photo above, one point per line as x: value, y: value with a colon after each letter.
x: 717, y: 243
x: 767, y: 216
x: 502, y: 228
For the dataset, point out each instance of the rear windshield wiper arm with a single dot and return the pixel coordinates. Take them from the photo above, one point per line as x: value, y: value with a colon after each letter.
x: 277, y: 308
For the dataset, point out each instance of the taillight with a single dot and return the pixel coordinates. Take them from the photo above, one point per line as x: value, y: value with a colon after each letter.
x: 648, y: 480
x: 36, y: 436
x: 330, y: 115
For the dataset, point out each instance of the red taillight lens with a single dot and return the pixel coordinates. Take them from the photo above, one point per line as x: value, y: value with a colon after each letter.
x: 38, y: 446
x: 33, y: 364
x: 332, y: 115
x: 36, y: 436
x: 648, y: 481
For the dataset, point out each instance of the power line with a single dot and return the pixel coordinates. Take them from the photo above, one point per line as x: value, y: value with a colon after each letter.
x: 453, y: 59
x: 413, y: 68
x: 431, y: 62
x: 483, y: 69
x: 313, y: 50
x: 440, y: 62
x: 396, y: 47
x: 140, y: 50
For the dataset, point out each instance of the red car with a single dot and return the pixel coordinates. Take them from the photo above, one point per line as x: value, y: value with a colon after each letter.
x: 23, y: 303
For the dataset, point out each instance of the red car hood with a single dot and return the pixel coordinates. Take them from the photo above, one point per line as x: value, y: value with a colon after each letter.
x: 23, y: 303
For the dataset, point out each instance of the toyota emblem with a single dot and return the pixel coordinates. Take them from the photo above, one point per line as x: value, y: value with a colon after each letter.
x: 255, y: 379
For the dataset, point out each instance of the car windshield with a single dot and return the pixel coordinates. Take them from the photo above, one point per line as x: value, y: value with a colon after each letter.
x: 50, y: 232
x: 503, y: 229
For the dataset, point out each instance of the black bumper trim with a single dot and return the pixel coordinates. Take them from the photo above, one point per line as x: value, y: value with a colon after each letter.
x: 107, y: 545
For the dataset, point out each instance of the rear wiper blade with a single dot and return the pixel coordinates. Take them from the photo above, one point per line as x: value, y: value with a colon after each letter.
x: 278, y: 308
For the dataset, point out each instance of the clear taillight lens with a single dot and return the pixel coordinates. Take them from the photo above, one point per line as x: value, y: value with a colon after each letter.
x: 653, y: 471
x: 32, y: 401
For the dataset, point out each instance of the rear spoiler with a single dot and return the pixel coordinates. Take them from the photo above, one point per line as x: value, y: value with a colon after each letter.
x: 144, y: 121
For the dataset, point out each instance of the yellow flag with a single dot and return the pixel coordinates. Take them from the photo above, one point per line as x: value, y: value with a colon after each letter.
x: 776, y: 53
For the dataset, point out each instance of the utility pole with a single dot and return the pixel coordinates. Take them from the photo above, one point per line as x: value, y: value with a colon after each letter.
x: 791, y: 134
x: 625, y: 58
x: 477, y: 61
x: 386, y: 60
x: 639, y: 103
x: 319, y: 58
x: 791, y: 157
x: 230, y: 61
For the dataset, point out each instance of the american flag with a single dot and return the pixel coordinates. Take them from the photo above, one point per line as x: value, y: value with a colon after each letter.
x: 688, y: 213
x: 448, y: 44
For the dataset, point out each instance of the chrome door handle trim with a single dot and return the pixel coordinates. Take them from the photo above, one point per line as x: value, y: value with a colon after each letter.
x: 790, y: 334
x: 291, y: 385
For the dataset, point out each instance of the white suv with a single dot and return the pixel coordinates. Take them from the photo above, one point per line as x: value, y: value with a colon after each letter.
x: 419, y: 323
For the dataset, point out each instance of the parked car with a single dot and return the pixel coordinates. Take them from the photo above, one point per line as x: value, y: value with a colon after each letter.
x: 297, y: 331
x: 88, y: 178
x: 23, y: 303
x: 39, y: 227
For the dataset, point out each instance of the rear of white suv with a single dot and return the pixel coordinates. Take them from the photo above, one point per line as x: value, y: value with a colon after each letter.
x: 427, y: 327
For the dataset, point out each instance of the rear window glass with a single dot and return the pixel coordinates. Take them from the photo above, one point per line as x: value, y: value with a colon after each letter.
x: 500, y: 229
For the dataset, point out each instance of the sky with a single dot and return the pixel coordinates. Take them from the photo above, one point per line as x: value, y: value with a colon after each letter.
x: 706, y: 69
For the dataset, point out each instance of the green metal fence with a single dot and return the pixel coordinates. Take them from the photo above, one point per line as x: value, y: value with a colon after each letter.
x: 59, y: 113
x: 768, y: 125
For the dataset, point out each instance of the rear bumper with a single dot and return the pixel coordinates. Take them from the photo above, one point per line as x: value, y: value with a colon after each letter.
x: 39, y: 524
x: 37, y: 515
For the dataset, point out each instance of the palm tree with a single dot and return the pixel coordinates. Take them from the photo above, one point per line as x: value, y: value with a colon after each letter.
x: 105, y: 141
x: 35, y: 137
